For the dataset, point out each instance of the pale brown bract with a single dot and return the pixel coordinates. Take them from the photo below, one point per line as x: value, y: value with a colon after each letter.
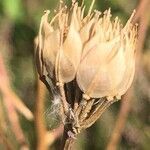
x: 90, y: 59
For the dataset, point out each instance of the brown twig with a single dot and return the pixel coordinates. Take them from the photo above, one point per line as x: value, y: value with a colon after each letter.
x: 120, y: 123
x: 144, y: 22
x: 4, y: 139
x: 39, y: 120
x: 143, y: 80
x: 8, y: 99
x: 3, y: 128
x: 142, y: 16
x: 8, y: 92
x: 14, y: 120
x: 20, y: 106
x: 140, y: 9
x: 44, y: 138
x: 54, y: 134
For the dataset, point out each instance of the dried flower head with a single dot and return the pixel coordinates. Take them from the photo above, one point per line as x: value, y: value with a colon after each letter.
x: 107, y: 62
x: 89, y: 59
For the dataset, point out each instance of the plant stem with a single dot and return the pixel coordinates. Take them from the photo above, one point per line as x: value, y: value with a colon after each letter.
x: 67, y: 141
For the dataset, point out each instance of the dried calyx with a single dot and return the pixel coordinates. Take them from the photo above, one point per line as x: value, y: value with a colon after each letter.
x: 89, y: 60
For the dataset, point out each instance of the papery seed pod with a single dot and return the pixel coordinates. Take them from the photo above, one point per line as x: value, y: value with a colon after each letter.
x: 47, y: 46
x: 59, y: 50
x: 130, y: 40
x: 108, y: 59
x: 70, y: 53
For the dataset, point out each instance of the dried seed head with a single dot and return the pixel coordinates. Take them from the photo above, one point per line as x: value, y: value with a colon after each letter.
x: 97, y: 51
x: 108, y: 58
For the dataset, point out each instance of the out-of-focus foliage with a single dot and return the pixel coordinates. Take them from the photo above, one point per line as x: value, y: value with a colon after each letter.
x: 13, y: 13
x: 19, y: 23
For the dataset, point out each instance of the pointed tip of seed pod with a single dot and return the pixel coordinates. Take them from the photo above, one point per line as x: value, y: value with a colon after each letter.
x: 109, y: 9
x: 91, y: 7
x: 131, y: 17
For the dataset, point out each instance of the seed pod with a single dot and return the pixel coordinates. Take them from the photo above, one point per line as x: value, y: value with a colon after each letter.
x: 48, y: 45
x: 108, y: 60
x: 69, y: 55
x: 59, y: 50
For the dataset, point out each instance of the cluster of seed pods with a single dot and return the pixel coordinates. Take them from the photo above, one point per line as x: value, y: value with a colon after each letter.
x: 89, y: 60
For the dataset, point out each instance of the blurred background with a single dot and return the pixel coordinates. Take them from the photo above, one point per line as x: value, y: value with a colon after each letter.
x: 27, y: 120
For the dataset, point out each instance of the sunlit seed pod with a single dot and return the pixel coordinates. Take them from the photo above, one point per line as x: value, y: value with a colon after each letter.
x: 59, y: 45
x: 86, y: 30
x: 130, y: 40
x: 70, y: 52
x: 94, y: 49
x: 46, y: 51
x: 108, y: 60
x: 50, y: 51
